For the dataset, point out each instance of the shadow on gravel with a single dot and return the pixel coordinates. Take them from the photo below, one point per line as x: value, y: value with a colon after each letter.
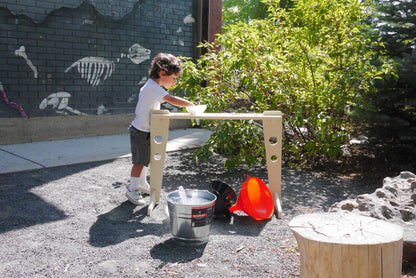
x: 306, y: 189
x: 300, y: 189
x: 170, y: 251
x: 19, y: 208
x: 238, y: 225
x: 122, y: 223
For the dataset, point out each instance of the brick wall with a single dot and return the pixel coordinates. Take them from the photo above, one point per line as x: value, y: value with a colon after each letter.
x: 77, y: 57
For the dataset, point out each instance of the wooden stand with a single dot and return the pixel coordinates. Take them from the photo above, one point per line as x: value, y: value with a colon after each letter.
x: 272, y: 128
x: 342, y: 245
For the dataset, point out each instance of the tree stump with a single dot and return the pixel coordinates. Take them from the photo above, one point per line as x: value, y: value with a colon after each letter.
x: 344, y: 245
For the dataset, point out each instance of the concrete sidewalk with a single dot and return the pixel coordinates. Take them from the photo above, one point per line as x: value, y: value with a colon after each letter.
x: 31, y: 156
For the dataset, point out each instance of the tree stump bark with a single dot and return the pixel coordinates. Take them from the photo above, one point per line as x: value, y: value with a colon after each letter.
x: 345, y: 245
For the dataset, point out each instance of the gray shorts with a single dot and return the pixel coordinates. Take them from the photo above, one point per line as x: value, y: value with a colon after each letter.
x: 140, y: 146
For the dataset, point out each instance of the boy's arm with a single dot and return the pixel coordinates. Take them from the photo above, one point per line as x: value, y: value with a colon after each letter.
x: 177, y: 101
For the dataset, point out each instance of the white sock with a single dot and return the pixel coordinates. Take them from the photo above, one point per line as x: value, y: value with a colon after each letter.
x: 143, y: 176
x: 134, y: 183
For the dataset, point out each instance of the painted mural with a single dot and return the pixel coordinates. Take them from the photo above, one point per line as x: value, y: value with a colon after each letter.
x: 93, y: 69
x: 21, y: 52
x: 78, y: 61
x: 59, y: 103
x: 116, y: 11
x: 11, y: 103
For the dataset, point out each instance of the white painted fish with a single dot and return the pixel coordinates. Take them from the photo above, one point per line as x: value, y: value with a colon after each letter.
x: 138, y: 54
x: 93, y: 69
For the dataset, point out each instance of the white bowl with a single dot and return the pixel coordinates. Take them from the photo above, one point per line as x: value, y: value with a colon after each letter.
x: 196, y: 109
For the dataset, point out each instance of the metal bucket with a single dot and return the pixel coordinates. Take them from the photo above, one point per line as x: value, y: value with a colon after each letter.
x: 190, y: 222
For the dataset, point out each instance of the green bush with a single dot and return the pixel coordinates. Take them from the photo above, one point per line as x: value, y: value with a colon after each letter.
x: 312, y: 62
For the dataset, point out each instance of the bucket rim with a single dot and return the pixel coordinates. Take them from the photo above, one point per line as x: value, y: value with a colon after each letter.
x: 208, y: 202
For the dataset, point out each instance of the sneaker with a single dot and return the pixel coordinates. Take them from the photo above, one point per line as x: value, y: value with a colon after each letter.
x: 135, y: 197
x: 144, y: 188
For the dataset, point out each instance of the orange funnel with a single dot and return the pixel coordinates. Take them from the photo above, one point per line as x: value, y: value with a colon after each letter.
x: 254, y: 199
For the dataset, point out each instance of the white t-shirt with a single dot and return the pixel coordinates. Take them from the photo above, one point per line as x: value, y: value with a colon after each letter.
x: 150, y: 97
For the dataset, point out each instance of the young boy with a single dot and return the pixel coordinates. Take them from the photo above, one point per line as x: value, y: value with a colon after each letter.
x: 164, y: 71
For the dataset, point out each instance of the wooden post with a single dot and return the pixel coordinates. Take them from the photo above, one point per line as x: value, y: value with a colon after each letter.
x: 342, y: 245
x: 272, y: 129
x: 159, y: 132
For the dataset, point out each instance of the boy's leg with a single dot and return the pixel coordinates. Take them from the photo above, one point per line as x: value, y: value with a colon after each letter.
x: 133, y: 190
x: 143, y: 175
x: 140, y: 150
x: 138, y: 179
x: 136, y: 170
x: 143, y: 184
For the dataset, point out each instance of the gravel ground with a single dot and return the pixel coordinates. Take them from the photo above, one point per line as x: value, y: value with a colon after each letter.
x: 74, y: 221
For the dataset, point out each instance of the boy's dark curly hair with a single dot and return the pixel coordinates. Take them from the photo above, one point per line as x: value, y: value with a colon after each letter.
x: 165, y: 62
